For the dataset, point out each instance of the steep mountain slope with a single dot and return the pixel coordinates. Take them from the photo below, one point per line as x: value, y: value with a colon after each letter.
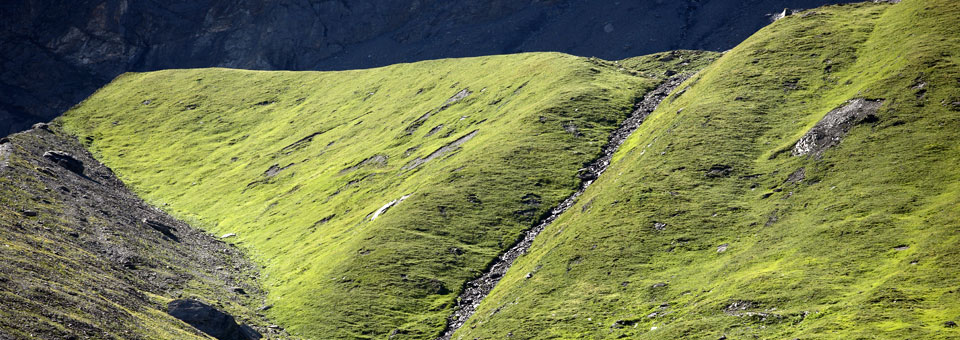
x: 369, y: 196
x: 803, y: 186
x: 56, y: 53
x: 81, y: 257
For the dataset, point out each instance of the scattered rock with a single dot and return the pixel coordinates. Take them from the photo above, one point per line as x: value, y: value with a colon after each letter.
x: 831, y: 129
x: 791, y: 85
x: 228, y: 235
x: 797, y: 176
x: 901, y: 247
x: 210, y: 320
x: 375, y: 161
x: 456, y: 98
x: 29, y: 213
x: 773, y: 217
x: 659, y: 226
x: 41, y: 126
x: 275, y: 169
x: 4, y: 140
x: 238, y: 290
x: 162, y: 228
x: 434, y: 130
x: 302, y: 142
x: 417, y: 123
x: 572, y: 129
x: 659, y: 285
x: 65, y: 160
x: 719, y: 170
x: 624, y: 323
x: 722, y: 248
x: 455, y: 145
x: 387, y: 206
x: 739, y: 305
x: 950, y: 324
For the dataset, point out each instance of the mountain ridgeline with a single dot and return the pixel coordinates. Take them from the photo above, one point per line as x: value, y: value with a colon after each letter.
x: 57, y: 53
x: 802, y: 185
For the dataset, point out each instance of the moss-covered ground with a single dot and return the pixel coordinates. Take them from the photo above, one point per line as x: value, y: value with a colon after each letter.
x: 698, y: 230
x: 302, y: 167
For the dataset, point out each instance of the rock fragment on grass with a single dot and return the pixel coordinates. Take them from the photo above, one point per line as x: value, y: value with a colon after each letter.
x: 834, y: 126
x: 65, y: 160
x: 210, y: 320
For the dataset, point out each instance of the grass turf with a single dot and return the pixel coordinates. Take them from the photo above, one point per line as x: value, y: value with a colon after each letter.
x: 696, y: 230
x: 302, y: 167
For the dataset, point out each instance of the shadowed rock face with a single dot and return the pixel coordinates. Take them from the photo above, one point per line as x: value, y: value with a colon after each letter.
x: 56, y: 53
x: 210, y: 320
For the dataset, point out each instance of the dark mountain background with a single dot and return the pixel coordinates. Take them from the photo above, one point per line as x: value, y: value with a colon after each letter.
x: 54, y: 53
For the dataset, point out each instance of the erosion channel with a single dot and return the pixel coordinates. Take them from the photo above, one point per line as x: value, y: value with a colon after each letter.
x: 477, y: 289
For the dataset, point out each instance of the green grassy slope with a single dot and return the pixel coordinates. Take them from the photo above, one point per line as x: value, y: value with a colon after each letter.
x: 299, y: 163
x: 864, y: 247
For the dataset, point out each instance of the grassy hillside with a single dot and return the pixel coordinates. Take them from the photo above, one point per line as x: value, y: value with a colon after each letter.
x: 368, y: 196
x: 707, y: 226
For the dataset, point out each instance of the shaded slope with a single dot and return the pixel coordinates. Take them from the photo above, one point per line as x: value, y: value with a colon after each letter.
x: 81, y: 257
x: 707, y: 226
x: 369, y: 196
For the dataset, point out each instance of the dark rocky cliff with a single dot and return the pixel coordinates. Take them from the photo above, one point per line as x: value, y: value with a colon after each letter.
x: 55, y: 53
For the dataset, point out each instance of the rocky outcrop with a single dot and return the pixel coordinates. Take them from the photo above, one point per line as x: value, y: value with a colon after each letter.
x: 210, y: 320
x: 831, y: 129
x: 56, y: 53
x: 66, y: 160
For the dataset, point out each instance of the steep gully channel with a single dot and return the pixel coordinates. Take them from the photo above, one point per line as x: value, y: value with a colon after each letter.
x: 480, y: 287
